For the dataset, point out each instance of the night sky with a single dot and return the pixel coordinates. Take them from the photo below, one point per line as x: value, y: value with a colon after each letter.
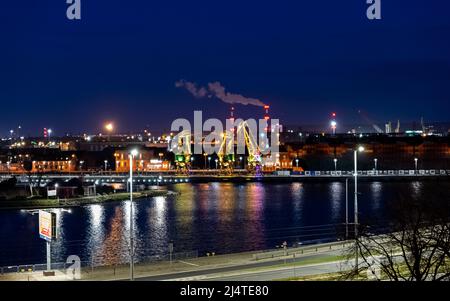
x: 304, y: 58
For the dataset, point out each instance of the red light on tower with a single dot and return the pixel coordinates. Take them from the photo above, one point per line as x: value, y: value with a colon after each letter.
x: 232, y: 118
x: 45, y: 133
x: 266, y: 117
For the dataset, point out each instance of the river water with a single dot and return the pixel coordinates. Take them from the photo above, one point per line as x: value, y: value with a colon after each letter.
x: 214, y: 217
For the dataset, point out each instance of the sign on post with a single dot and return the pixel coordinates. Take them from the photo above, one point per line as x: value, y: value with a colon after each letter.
x: 47, y: 225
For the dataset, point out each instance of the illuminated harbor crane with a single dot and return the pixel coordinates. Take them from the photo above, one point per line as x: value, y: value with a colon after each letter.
x: 226, y: 154
x: 254, y: 161
x: 183, y: 158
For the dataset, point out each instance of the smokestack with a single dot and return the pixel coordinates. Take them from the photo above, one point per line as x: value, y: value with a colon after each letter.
x: 266, y: 116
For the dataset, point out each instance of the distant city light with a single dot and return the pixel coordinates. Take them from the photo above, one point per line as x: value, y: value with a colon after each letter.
x: 109, y: 127
x: 134, y: 152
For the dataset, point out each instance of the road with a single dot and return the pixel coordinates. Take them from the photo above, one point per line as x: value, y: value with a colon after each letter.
x: 239, y: 270
x: 287, y: 272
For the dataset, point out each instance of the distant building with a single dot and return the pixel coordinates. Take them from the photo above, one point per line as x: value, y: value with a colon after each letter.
x: 148, y: 159
x: 389, y: 127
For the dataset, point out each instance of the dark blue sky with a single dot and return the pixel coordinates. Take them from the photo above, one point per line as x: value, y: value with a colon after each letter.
x: 305, y: 58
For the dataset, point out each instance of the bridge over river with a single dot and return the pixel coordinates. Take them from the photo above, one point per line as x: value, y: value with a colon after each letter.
x: 203, y: 176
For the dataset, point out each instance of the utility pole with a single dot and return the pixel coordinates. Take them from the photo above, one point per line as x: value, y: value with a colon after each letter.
x: 131, y: 221
x: 359, y: 149
x: 346, y: 208
x: 133, y: 153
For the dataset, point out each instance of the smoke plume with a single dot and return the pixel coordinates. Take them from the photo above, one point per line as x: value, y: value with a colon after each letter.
x: 217, y: 90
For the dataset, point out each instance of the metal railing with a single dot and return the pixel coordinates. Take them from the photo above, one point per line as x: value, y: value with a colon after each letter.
x: 96, y: 263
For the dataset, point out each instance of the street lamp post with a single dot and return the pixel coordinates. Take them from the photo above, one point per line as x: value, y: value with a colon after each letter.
x: 360, y: 149
x: 375, y: 161
x: 209, y: 162
x: 346, y: 208
x: 416, y: 160
x: 106, y: 165
x: 56, y: 189
x: 296, y: 162
x: 335, y: 164
x: 133, y: 153
x: 334, y: 126
x: 216, y: 162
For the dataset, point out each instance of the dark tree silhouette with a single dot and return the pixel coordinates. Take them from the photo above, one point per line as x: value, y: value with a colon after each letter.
x: 413, y: 246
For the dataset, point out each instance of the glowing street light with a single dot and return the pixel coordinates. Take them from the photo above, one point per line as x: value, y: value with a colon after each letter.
x: 132, y: 155
x: 106, y: 164
x: 416, y: 160
x: 375, y: 161
x: 335, y: 160
x: 296, y: 162
x: 334, y: 126
x: 56, y: 189
x: 359, y: 149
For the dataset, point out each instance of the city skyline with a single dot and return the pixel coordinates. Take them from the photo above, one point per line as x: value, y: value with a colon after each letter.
x: 122, y: 63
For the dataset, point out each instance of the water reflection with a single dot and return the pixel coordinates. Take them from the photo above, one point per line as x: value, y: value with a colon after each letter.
x: 217, y: 217
x: 376, y: 189
x: 297, y: 201
x: 336, y: 198
x: 115, y: 247
x: 416, y: 188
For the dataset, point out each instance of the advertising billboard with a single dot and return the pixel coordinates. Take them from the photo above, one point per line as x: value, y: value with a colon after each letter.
x: 47, y: 225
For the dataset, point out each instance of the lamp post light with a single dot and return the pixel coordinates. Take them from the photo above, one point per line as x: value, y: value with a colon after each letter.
x: 205, y: 155
x: 81, y: 166
x: 106, y: 164
x: 133, y: 154
x: 375, y: 161
x: 334, y: 126
x: 296, y: 162
x: 209, y: 162
x: 359, y: 149
x: 335, y: 164
x: 216, y: 162
x: 56, y: 189
x: 240, y: 162
x: 416, y: 160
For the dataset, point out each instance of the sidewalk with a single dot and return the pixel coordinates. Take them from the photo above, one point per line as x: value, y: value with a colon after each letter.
x: 241, y: 260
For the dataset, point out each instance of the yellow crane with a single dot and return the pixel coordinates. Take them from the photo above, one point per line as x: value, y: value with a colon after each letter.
x: 183, y: 156
x: 254, y: 160
x: 225, y: 153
